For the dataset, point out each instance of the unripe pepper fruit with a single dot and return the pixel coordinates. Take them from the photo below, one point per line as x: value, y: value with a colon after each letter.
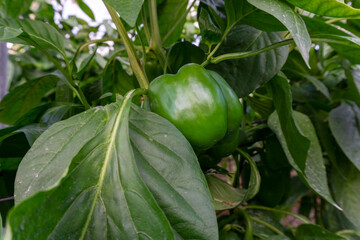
x: 194, y: 102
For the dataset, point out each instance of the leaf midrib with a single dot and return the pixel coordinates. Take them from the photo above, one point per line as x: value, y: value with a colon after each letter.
x: 114, y: 132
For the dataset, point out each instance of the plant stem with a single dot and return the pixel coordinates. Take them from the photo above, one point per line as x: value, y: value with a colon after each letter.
x: 172, y: 29
x: 146, y: 26
x: 133, y: 58
x: 143, y: 49
x: 68, y: 79
x: 239, y: 161
x: 269, y: 226
x: 335, y: 20
x: 239, y: 55
x: 155, y: 32
x: 227, y: 31
x: 248, y: 224
x: 243, y: 121
x: 304, y: 220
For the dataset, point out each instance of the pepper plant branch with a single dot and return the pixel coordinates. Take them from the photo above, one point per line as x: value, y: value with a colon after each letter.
x: 227, y: 31
x: 304, y: 220
x: 143, y: 48
x: 172, y: 29
x: 238, y: 55
x: 133, y: 58
x: 269, y: 226
x: 68, y: 79
x: 155, y: 32
x: 248, y: 224
x: 146, y: 25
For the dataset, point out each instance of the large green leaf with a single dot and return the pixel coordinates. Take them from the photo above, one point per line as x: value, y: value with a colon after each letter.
x: 344, y: 123
x: 128, y: 9
x: 314, y: 174
x: 345, y: 185
x: 115, y: 202
x: 296, y: 142
x: 245, y: 75
x: 329, y: 8
x: 23, y: 98
x: 170, y: 169
x: 293, y: 22
x: 32, y: 32
x: 47, y: 161
x: 166, y: 162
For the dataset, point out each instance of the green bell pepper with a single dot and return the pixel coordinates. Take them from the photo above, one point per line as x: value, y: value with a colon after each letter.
x: 195, y: 103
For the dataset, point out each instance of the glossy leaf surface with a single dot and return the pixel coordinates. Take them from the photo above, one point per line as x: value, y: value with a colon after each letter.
x: 164, y: 159
x: 33, y: 32
x: 344, y: 123
x: 329, y: 8
x: 314, y: 174
x: 297, y: 143
x: 246, y: 74
x: 293, y: 22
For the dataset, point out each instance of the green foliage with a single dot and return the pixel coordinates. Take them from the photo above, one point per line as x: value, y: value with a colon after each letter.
x: 84, y: 156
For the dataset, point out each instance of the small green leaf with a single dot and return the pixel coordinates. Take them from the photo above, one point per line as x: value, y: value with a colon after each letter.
x: 234, y: 11
x: 255, y: 179
x: 128, y: 9
x: 344, y: 123
x: 57, y: 113
x: 210, y: 32
x: 293, y: 22
x: 315, y: 232
x: 224, y: 195
x: 8, y: 33
x: 296, y: 142
x: 169, y: 13
x: 83, y: 6
x: 23, y: 98
x: 314, y: 174
x: 328, y: 8
x: 34, y: 33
